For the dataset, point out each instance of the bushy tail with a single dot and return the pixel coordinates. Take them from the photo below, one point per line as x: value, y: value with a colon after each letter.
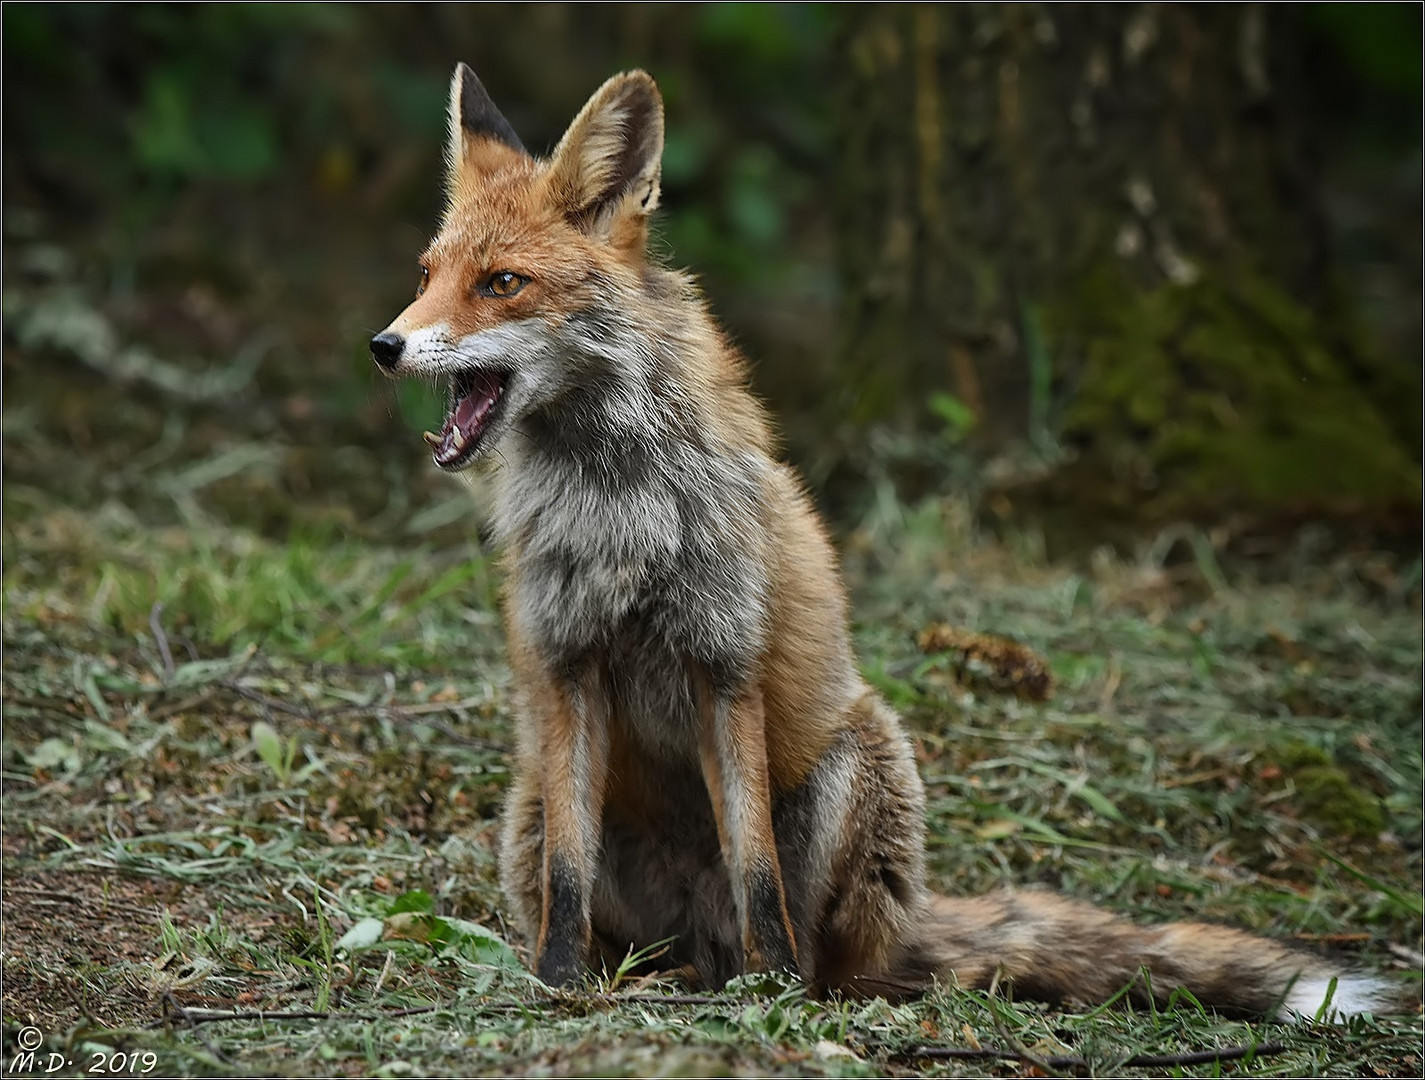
x: 1050, y: 948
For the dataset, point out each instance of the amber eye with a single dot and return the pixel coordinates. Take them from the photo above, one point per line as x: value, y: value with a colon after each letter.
x: 425, y: 280
x: 503, y: 283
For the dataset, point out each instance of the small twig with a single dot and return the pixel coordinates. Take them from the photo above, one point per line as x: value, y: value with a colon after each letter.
x: 1193, y: 778
x: 451, y: 735
x: 58, y: 706
x: 1020, y: 1051
x: 192, y: 1018
x: 662, y: 999
x: 54, y: 898
x: 398, y: 711
x: 161, y: 639
x: 958, y: 1053
x: 266, y: 701
x: 1067, y: 1061
x: 190, y: 702
x: 254, y: 651
x: 1204, y: 1057
x: 426, y: 707
x: 177, y: 1011
x: 317, y: 716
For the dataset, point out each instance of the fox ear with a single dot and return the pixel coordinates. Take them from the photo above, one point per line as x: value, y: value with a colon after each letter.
x: 605, y: 170
x: 480, y: 136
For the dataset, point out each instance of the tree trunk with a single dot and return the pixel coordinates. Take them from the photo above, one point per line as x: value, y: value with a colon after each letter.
x: 1096, y: 228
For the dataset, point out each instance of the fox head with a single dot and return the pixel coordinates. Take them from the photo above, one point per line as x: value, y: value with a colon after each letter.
x: 522, y: 292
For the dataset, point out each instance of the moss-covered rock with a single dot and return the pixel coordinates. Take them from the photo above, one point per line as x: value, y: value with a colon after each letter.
x: 1223, y: 391
x: 1326, y: 795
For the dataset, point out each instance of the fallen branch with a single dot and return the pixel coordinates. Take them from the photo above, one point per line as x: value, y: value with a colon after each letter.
x: 1069, y: 1061
x: 192, y: 1017
x: 189, y: 1017
x: 1204, y: 1057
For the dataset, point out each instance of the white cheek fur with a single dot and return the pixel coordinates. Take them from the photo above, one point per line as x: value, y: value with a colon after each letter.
x: 431, y: 353
x: 428, y: 350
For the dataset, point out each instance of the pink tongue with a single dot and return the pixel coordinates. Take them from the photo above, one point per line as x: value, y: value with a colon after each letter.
x: 468, y: 418
x: 471, y: 409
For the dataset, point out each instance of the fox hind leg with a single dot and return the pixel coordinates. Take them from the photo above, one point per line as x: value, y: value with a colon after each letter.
x: 851, y: 837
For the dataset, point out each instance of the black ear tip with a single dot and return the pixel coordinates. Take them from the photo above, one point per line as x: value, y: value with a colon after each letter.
x: 472, y: 90
x: 478, y: 112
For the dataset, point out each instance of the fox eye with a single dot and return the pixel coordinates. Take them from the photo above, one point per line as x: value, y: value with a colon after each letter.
x: 503, y: 283
x: 425, y: 280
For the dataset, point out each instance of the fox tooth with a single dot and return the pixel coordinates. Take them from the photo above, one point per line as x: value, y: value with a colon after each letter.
x: 457, y: 438
x: 431, y: 438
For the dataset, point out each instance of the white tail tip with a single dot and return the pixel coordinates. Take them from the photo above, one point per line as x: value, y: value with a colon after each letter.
x: 1353, y: 994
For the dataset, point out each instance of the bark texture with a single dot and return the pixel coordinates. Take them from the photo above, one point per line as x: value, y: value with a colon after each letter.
x: 1097, y: 227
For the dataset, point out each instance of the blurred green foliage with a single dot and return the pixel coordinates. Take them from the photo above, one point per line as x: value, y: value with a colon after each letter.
x: 219, y: 180
x: 163, y: 92
x: 1379, y: 42
x: 213, y: 182
x: 131, y: 104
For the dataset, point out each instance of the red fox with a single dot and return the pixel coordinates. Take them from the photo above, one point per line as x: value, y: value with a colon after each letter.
x: 699, y: 758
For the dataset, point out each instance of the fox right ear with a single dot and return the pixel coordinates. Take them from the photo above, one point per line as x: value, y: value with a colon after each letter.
x: 480, y: 136
x: 605, y: 171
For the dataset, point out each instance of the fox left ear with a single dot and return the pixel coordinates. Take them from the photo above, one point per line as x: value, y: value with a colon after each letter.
x: 605, y: 170
x: 480, y: 136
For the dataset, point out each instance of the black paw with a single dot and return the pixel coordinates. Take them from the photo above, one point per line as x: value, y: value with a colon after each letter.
x: 560, y: 965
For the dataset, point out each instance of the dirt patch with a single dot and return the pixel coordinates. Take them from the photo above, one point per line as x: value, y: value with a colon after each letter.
x: 84, y: 946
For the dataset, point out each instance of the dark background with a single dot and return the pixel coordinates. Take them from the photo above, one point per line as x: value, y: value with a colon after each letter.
x: 1094, y: 269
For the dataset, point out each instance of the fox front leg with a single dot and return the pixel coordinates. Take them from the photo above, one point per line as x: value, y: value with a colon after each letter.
x: 732, y: 750
x: 573, y: 743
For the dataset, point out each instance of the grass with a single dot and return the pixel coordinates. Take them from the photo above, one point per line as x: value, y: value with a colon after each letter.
x: 251, y: 787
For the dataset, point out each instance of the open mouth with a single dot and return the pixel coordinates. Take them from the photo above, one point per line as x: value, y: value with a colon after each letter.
x: 474, y: 402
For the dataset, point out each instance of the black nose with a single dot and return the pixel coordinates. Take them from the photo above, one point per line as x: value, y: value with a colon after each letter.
x: 386, y: 349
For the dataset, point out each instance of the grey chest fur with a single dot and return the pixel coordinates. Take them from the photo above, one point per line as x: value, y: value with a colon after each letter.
x: 641, y: 574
